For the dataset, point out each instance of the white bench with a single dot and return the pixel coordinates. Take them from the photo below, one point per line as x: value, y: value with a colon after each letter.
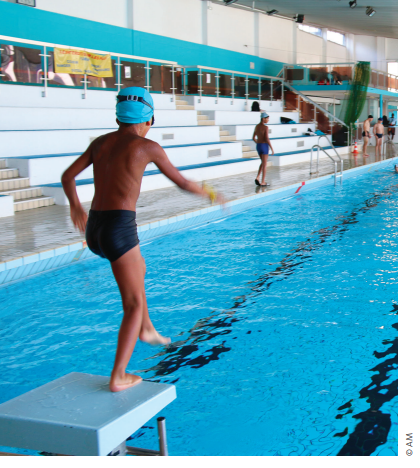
x: 78, y: 415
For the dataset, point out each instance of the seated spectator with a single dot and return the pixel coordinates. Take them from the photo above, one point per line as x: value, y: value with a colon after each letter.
x: 256, y: 107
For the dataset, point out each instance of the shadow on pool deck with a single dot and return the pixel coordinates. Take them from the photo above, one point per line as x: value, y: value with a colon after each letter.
x: 34, y: 231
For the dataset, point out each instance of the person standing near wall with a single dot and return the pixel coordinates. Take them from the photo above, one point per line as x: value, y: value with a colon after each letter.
x: 391, y: 127
x: 366, y: 133
x: 378, y: 131
x: 262, y: 140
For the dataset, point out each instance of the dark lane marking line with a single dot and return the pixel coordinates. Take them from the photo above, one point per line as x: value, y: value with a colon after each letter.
x: 373, y: 429
x: 176, y: 354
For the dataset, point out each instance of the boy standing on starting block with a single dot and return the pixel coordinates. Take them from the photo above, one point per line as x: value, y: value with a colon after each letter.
x: 119, y: 160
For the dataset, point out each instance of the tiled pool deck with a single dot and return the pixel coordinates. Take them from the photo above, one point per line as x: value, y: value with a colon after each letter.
x: 42, y: 230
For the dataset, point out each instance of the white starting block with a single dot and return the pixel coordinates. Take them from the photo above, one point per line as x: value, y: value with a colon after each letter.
x: 78, y: 415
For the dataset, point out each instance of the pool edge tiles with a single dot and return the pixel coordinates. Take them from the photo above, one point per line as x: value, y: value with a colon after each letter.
x: 32, y: 264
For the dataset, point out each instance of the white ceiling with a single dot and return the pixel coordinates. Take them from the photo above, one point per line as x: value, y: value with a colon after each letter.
x: 337, y: 14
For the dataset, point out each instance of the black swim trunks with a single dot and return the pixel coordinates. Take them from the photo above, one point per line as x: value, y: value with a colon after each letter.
x: 110, y: 234
x: 365, y: 135
x: 379, y: 135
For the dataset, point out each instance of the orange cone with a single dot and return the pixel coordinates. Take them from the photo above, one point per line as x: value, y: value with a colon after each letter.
x: 355, y: 147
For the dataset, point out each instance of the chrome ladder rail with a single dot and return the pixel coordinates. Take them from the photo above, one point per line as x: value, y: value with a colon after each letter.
x: 332, y: 159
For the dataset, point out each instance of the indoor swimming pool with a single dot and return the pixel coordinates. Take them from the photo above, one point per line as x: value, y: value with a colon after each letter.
x: 283, y: 321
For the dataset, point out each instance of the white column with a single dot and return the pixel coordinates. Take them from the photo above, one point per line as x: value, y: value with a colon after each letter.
x: 294, y: 42
x: 256, y: 34
x: 349, y: 47
x: 204, y: 22
x: 324, y: 45
x: 130, y: 14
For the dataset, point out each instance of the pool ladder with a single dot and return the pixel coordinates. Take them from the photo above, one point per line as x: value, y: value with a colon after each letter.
x: 332, y: 159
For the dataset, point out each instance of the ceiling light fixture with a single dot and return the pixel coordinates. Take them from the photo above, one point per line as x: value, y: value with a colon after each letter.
x: 299, y: 18
x: 272, y: 12
x: 353, y: 4
x: 228, y: 2
x: 370, y: 11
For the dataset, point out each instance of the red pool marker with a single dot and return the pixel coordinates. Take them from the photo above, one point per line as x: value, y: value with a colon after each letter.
x: 303, y: 183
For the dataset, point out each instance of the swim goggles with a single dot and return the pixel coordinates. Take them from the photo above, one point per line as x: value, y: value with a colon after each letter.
x: 135, y: 98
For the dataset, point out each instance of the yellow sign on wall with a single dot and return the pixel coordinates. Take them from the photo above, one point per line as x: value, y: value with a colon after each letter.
x: 80, y: 62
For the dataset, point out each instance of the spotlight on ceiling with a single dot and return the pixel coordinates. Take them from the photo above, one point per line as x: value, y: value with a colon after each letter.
x: 228, y: 2
x: 299, y: 18
x: 353, y: 4
x: 272, y: 12
x: 370, y: 11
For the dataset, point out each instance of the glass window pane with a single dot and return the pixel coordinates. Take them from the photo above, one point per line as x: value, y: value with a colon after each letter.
x: 133, y: 74
x: 209, y: 83
x: 21, y: 64
x: 225, y: 85
x: 240, y: 86
x: 253, y: 88
x: 265, y: 90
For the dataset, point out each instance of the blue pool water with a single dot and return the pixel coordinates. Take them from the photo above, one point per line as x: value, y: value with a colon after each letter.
x: 283, y: 320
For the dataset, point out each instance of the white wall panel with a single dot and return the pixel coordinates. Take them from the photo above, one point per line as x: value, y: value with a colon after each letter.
x: 365, y: 48
x: 336, y: 52
x: 103, y: 11
x: 309, y: 48
x: 230, y: 28
x: 179, y: 19
x: 391, y: 49
x: 275, y: 39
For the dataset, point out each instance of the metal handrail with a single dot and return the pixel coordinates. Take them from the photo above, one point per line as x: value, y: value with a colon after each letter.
x: 332, y: 159
x: 313, y: 103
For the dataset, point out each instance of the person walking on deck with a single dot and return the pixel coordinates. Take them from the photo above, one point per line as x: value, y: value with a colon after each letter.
x: 119, y: 160
x: 262, y: 140
x: 366, y: 133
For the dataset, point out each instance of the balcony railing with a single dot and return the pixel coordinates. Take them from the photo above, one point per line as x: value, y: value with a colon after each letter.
x: 339, y: 73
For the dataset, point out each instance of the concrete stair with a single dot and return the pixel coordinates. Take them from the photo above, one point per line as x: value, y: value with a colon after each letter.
x: 182, y: 105
x: 24, y: 196
x: 247, y: 152
x: 203, y: 119
x: 226, y: 136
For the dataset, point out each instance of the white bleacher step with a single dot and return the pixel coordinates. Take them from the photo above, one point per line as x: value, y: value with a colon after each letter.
x: 15, y: 183
x: 224, y: 132
x: 31, y: 203
x: 227, y: 138
x: 2, y: 163
x: 8, y: 173
x: 24, y: 193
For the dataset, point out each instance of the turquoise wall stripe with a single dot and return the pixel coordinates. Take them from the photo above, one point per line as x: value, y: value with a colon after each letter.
x: 31, y: 23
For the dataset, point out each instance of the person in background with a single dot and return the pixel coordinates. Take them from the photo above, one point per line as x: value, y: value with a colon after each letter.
x: 366, y: 133
x: 385, y: 121
x: 391, y: 127
x: 378, y: 131
x: 262, y: 140
x: 256, y: 107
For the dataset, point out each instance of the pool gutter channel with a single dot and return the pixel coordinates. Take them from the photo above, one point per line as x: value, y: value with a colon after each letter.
x: 30, y: 265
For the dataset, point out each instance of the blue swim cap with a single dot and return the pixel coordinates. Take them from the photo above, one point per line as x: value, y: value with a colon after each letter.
x: 131, y: 109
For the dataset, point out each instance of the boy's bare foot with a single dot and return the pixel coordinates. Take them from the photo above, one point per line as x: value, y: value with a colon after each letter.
x: 152, y: 337
x: 117, y: 384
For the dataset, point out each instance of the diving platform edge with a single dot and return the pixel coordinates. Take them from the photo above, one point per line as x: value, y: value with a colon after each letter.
x: 77, y: 414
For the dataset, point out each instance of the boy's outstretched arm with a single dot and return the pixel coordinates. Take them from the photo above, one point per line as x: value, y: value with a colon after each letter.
x: 77, y: 213
x: 161, y: 160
